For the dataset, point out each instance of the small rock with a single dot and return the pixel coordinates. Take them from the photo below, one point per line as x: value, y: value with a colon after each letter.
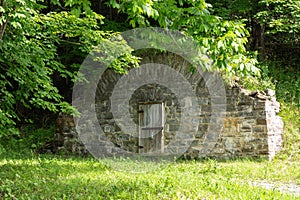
x: 262, y: 96
x: 270, y: 92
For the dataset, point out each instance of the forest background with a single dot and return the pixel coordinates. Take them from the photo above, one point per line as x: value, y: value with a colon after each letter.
x: 253, y: 43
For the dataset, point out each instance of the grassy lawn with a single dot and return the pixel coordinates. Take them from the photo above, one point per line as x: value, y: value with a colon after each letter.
x: 57, y: 177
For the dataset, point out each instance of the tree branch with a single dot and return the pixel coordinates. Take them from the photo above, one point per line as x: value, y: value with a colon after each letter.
x: 69, y: 42
x: 3, y: 27
x: 2, y: 5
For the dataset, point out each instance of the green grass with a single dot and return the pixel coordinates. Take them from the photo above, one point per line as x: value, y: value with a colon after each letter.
x: 56, y: 177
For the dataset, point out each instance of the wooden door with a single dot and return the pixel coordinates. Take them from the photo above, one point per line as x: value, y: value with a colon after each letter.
x: 151, y: 119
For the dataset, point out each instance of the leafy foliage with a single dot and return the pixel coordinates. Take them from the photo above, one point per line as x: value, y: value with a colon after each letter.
x: 282, y: 18
x: 26, y: 56
x: 34, y: 49
x: 223, y: 40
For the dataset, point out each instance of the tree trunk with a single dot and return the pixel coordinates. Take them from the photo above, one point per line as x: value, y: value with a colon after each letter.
x: 258, y: 32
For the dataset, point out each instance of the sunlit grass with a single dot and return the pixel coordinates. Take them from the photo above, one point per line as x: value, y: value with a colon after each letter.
x: 53, y: 177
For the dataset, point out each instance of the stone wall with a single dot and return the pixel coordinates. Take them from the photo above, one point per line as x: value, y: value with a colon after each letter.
x: 251, y: 127
x: 66, y: 136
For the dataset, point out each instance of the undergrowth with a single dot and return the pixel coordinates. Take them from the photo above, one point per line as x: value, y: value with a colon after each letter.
x: 29, y: 139
x: 287, y: 82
